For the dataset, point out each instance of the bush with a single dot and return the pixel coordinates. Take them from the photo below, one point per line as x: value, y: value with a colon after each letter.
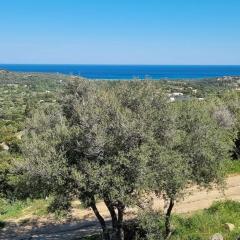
x: 199, y: 226
x: 203, y: 224
x: 150, y: 226
x: 59, y: 206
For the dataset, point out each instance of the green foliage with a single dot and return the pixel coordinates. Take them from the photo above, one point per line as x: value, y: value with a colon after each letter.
x: 114, y: 141
x: 150, y: 226
x: 120, y: 142
x: 20, y: 93
x: 19, y: 209
x: 198, y: 226
x: 12, y: 210
x: 232, y: 100
x: 59, y: 206
x: 206, y: 142
x: 204, y: 224
x: 5, y: 174
x: 233, y: 167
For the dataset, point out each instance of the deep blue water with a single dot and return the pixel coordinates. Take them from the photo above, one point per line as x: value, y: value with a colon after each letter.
x: 130, y: 71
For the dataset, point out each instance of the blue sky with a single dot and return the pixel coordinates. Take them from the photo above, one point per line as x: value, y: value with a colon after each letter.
x: 120, y: 31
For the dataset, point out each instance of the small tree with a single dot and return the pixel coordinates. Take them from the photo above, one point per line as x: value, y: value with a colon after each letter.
x: 90, y: 147
x: 190, y: 146
x: 232, y: 100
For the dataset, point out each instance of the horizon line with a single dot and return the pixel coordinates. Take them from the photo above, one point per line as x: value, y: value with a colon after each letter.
x: 119, y: 64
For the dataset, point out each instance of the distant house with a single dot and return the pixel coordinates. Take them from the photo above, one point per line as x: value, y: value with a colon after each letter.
x: 194, y: 91
x: 175, y: 94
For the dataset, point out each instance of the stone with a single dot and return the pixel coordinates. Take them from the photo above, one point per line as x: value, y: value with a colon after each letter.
x: 217, y: 236
x: 4, y: 146
x: 19, y: 135
x: 229, y: 226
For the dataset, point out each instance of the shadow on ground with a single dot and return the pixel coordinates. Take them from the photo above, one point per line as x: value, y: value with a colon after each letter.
x: 69, y: 231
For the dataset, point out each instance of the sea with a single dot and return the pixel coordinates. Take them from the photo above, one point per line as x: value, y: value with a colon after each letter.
x: 130, y: 71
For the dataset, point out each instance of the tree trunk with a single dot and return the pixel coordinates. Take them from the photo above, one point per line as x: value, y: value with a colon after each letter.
x: 111, y: 209
x: 101, y: 220
x: 120, y: 232
x: 168, y: 219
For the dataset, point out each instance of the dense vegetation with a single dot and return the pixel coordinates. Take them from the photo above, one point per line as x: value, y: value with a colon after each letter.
x: 19, y: 95
x: 115, y: 141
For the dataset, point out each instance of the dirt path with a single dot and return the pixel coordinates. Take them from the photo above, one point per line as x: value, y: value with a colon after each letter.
x: 200, y: 199
x: 85, y: 222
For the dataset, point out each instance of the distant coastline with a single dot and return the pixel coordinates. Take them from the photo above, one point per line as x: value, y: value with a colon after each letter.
x: 119, y: 72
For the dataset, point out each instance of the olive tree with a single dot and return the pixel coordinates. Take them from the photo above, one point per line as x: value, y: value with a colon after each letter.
x: 90, y: 146
x: 117, y: 143
x: 190, y: 145
x: 232, y: 100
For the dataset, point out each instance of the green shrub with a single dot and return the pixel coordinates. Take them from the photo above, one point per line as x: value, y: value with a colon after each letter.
x: 202, y: 225
x: 233, y: 167
x: 150, y: 226
x: 59, y: 206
